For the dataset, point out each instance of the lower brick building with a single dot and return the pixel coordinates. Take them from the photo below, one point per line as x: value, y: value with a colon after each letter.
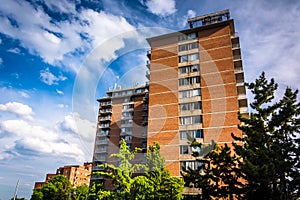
x: 76, y: 174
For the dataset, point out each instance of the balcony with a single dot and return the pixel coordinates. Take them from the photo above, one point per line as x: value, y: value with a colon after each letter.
x: 238, y: 67
x: 235, y: 35
x: 149, y: 54
x: 104, y: 126
x: 99, y: 142
x: 97, y: 168
x: 105, y: 118
x: 148, y: 64
x: 145, y: 122
x: 148, y: 74
x: 123, y: 133
x: 102, y: 150
x: 104, y: 111
x: 105, y: 104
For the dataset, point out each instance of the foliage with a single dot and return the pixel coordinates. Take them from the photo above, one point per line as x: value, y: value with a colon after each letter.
x: 80, y: 192
x: 59, y: 188
x: 218, y: 175
x: 270, y: 149
x: 264, y: 163
x: 155, y: 183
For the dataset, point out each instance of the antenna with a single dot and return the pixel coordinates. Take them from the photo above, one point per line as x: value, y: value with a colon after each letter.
x: 16, y: 190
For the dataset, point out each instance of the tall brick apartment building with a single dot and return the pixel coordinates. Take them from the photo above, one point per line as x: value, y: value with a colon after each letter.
x: 196, y: 87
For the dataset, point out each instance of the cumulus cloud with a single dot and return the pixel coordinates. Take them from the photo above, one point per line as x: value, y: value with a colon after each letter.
x: 75, y: 124
x: 19, y: 109
x: 49, y: 78
x: 38, y: 140
x: 58, y: 42
x: 161, y: 8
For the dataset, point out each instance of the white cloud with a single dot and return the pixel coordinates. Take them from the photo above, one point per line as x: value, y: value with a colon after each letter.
x: 59, y: 92
x: 55, y: 42
x: 31, y: 139
x: 19, y: 109
x: 83, y: 127
x: 1, y: 61
x: 50, y: 79
x: 189, y: 14
x: 14, y: 50
x: 62, y: 105
x: 161, y: 8
x: 0, y: 41
x: 271, y: 44
x: 24, y: 94
x: 63, y: 6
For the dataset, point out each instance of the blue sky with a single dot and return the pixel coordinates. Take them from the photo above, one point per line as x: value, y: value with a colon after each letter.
x: 57, y: 57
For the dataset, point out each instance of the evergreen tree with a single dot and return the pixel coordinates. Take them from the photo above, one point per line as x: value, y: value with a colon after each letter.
x: 270, y: 149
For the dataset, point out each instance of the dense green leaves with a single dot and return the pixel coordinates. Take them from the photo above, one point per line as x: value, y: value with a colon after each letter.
x: 155, y: 183
x: 59, y: 188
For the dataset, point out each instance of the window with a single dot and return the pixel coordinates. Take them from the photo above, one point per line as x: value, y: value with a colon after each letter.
x: 127, y: 114
x: 191, y: 133
x: 194, y: 56
x: 189, y: 80
x: 127, y: 137
x: 191, y: 165
x: 184, y: 81
x: 187, y: 36
x: 104, y: 132
x: 183, y: 58
x: 195, y: 80
x: 195, y: 68
x: 189, y: 69
x: 189, y: 46
x: 126, y: 130
x: 190, y: 106
x: 128, y: 106
x: 184, y: 149
x: 197, y: 119
x: 189, y: 93
x: 126, y: 121
x: 189, y: 57
x: 104, y: 125
x: 196, y: 92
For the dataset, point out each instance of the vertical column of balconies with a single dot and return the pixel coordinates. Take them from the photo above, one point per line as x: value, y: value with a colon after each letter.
x: 126, y: 126
x: 239, y: 75
x: 145, y: 122
x: 102, y: 139
x: 190, y: 106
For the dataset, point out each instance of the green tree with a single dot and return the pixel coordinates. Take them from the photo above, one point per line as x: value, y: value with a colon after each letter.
x: 225, y: 174
x: 155, y: 183
x: 218, y: 176
x: 80, y: 192
x: 122, y: 175
x: 270, y: 149
x: 58, y: 188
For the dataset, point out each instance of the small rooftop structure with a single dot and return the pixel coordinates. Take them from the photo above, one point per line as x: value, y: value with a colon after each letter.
x: 211, y: 18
